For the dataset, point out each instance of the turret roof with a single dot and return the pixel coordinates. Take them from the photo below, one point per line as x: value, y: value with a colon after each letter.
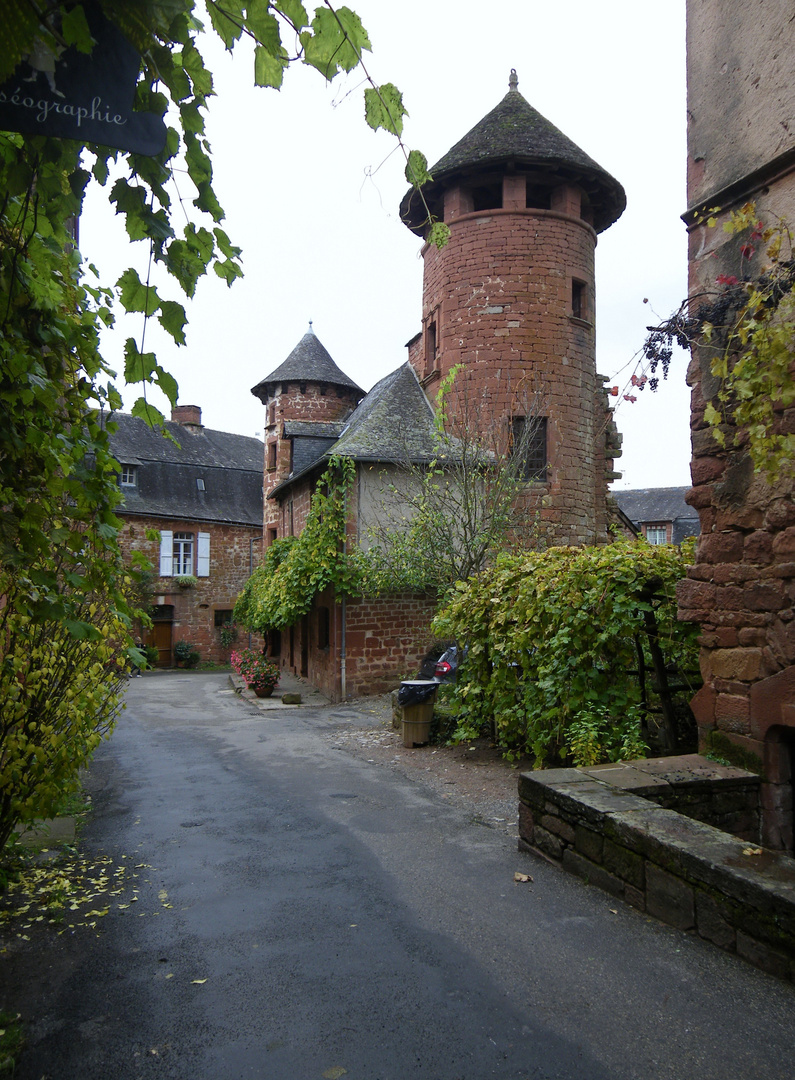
x: 309, y: 361
x: 515, y: 134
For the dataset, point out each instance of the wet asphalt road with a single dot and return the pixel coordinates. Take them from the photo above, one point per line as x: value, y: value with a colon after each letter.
x: 350, y: 924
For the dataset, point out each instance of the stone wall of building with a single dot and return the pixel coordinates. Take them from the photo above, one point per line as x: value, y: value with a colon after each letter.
x: 741, y: 147
x: 308, y: 402
x: 382, y: 641
x: 511, y: 297
x: 234, y: 549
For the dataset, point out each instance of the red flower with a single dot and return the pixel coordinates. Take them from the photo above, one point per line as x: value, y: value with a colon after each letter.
x: 726, y: 279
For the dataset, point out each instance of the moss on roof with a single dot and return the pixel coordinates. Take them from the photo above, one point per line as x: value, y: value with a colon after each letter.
x: 309, y: 361
x: 514, y: 134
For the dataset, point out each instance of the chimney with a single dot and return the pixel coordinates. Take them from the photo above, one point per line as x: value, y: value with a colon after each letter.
x: 188, y: 416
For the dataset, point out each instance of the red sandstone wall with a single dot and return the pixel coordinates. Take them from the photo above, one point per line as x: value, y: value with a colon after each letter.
x: 315, y: 403
x: 741, y: 589
x: 500, y: 296
x: 231, y: 554
x: 386, y: 640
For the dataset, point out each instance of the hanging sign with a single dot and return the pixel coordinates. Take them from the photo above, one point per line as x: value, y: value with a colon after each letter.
x: 88, y: 98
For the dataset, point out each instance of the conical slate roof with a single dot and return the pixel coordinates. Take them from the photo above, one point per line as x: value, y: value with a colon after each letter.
x: 514, y: 134
x: 309, y: 361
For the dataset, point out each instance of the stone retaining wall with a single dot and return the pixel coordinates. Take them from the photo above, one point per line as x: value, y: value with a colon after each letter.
x: 685, y: 872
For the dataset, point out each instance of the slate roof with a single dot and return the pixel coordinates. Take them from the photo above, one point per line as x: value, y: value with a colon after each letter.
x: 230, y: 466
x: 645, y: 506
x: 516, y: 134
x: 309, y: 361
x: 393, y: 423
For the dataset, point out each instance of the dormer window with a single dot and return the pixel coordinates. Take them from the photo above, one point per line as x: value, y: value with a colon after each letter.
x: 129, y: 476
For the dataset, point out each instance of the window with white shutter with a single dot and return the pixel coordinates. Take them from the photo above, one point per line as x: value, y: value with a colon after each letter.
x: 166, y: 552
x: 203, y: 555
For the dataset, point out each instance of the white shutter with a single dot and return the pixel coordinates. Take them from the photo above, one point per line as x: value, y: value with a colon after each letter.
x: 166, y: 553
x: 203, y: 556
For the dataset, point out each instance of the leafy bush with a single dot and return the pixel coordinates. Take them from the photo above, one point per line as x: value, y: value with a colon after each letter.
x: 60, y: 695
x: 152, y: 654
x: 559, y: 637
x: 595, y: 736
x: 187, y: 654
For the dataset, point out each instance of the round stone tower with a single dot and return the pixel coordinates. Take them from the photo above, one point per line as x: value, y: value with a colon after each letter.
x: 307, y: 399
x: 511, y: 297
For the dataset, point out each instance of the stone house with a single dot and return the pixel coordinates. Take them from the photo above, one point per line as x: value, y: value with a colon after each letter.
x: 510, y: 297
x: 202, y: 491
x: 741, y: 147
x: 661, y: 515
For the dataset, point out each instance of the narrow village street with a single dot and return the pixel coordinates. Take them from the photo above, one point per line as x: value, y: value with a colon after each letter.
x: 295, y: 908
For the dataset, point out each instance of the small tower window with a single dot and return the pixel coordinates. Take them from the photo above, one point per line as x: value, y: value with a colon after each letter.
x: 529, y: 447
x: 271, y: 455
x: 431, y: 347
x: 488, y: 196
x: 579, y: 299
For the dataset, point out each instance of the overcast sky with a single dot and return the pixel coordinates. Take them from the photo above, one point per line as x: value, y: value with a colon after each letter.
x: 312, y: 196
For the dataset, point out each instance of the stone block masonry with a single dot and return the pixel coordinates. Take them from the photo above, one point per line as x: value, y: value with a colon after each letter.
x: 234, y: 550
x: 688, y: 874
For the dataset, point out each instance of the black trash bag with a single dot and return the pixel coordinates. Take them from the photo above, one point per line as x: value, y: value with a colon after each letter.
x: 416, y: 693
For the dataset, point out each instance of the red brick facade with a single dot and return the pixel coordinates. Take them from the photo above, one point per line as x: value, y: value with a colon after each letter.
x: 742, y: 587
x: 191, y: 614
x: 307, y: 402
x: 360, y: 646
x: 511, y: 297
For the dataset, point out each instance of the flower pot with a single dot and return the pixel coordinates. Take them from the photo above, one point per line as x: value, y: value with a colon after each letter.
x: 263, y: 691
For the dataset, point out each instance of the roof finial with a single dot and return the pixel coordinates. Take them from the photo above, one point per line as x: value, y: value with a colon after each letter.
x: 513, y: 81
x: 311, y: 331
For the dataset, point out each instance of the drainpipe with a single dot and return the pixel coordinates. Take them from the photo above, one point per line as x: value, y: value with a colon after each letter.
x: 343, y: 656
x: 250, y: 570
x: 343, y: 645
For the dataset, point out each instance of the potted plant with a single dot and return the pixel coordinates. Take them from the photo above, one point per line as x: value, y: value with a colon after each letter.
x: 258, y: 673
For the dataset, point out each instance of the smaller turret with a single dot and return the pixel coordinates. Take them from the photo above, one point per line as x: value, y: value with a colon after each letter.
x: 307, y: 400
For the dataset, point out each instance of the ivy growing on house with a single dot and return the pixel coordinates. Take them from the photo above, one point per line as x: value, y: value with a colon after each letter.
x: 295, y: 569
x: 746, y: 330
